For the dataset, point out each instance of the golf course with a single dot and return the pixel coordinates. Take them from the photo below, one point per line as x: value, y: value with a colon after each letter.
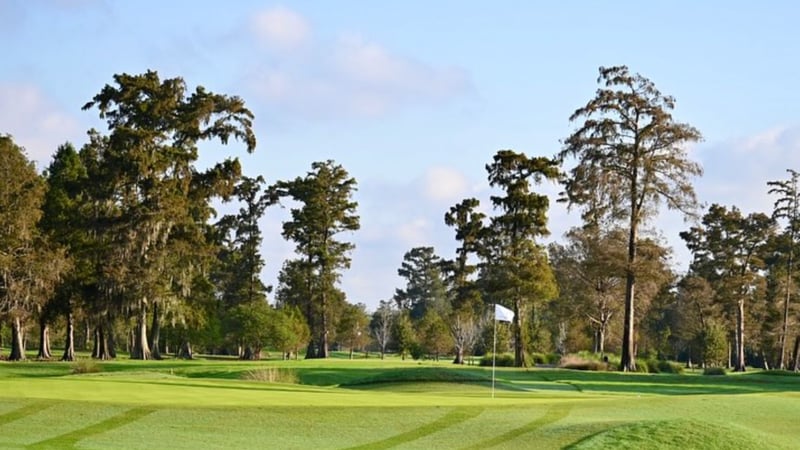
x: 373, y: 404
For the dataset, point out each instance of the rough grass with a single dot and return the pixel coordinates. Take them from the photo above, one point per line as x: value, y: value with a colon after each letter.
x: 272, y: 375
x: 339, y: 403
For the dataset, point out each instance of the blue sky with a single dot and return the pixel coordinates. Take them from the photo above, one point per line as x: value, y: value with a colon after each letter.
x: 413, y: 98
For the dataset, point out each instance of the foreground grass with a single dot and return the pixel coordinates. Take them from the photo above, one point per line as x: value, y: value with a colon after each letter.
x: 386, y: 404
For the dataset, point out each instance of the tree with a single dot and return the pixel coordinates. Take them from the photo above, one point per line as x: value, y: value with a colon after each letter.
x: 147, y: 168
x: 464, y: 291
x: 238, y: 275
x: 381, y: 325
x: 631, y: 156
x: 425, y: 286
x: 289, y: 331
x: 63, y: 222
x: 326, y: 210
x: 590, y: 269
x: 352, y: 329
x: 727, y: 252
x: 787, y: 207
x: 517, y: 270
x: 403, y: 334
x: 434, y: 334
x: 252, y: 324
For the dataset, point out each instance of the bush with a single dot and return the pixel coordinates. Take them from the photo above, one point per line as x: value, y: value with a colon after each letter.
x: 714, y: 371
x: 502, y: 360
x: 272, y: 375
x: 577, y: 362
x: 85, y: 366
x: 652, y: 365
x: 417, y: 352
x: 669, y: 367
x: 545, y: 358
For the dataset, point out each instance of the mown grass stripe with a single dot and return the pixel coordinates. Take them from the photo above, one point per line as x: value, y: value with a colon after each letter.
x: 69, y: 440
x: 23, y: 412
x: 448, y: 420
x: 552, y: 415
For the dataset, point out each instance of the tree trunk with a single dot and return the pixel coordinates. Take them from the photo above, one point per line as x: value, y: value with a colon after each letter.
x: 796, y: 354
x: 601, y: 340
x: 322, y: 351
x: 251, y: 353
x: 87, y: 334
x: 17, y: 345
x: 155, y: 333
x: 69, y: 339
x: 102, y: 345
x: 111, y: 343
x: 141, y: 350
x: 96, y: 344
x: 628, y: 358
x: 185, y: 351
x: 519, y: 344
x: 44, y: 340
x: 785, y: 329
x: 459, y: 355
x: 740, y: 367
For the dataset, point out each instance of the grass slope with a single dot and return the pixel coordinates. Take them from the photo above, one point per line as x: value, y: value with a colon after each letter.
x: 373, y: 404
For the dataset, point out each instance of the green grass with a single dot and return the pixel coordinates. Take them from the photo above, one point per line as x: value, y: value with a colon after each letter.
x: 374, y: 404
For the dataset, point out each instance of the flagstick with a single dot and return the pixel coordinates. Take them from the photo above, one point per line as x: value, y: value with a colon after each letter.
x: 494, y: 347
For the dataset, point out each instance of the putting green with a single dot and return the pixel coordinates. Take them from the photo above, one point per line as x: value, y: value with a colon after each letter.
x: 387, y: 404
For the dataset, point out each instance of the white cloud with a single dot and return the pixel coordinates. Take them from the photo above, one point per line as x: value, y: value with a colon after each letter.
x: 347, y: 77
x: 281, y: 29
x: 34, y: 121
x: 737, y: 171
x: 445, y: 185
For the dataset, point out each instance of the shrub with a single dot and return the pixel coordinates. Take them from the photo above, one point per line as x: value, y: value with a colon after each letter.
x: 272, y: 375
x: 714, y: 371
x: 502, y: 360
x: 417, y: 352
x: 85, y: 366
x: 545, y: 358
x: 669, y: 367
x: 577, y: 362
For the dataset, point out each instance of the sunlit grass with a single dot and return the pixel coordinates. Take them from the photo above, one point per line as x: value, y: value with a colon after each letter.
x: 369, y: 403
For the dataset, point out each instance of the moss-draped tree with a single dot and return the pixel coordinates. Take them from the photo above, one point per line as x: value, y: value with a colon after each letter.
x: 630, y: 157
x: 147, y: 167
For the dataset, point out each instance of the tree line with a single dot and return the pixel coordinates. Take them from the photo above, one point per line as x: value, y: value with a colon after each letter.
x: 119, y: 240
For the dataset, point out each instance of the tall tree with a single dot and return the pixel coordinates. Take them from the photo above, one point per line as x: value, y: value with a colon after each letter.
x: 517, y: 270
x: 727, y: 252
x: 29, y: 264
x: 464, y: 291
x: 63, y: 222
x: 425, y: 285
x: 631, y: 156
x: 148, y: 163
x: 326, y: 209
x: 787, y: 207
x: 240, y: 261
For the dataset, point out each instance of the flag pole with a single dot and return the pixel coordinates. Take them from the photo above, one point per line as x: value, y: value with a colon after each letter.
x: 494, y: 346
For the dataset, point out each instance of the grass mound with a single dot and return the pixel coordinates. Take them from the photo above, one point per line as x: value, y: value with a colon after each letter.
x: 673, y: 434
x: 418, y: 375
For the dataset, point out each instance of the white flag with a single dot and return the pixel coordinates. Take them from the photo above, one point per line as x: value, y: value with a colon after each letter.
x: 503, y: 314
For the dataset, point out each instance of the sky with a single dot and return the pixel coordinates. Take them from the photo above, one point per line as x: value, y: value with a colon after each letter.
x: 413, y: 98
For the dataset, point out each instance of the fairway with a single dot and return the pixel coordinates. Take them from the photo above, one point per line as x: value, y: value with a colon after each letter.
x: 374, y: 404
